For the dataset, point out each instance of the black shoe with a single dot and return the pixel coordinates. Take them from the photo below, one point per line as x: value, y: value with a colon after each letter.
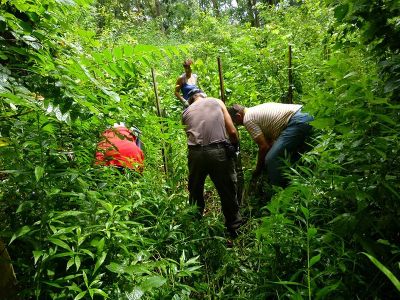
x: 233, y: 234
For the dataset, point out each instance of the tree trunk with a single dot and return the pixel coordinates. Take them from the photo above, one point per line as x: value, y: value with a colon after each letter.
x: 157, y: 7
x: 138, y: 7
x: 253, y: 13
x: 216, y: 7
x: 256, y: 17
x: 8, y: 281
x: 250, y: 11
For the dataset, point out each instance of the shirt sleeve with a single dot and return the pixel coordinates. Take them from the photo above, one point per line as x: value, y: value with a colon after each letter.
x: 253, y: 129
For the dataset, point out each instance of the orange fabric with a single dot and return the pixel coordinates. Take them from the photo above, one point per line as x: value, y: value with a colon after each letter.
x: 118, y: 148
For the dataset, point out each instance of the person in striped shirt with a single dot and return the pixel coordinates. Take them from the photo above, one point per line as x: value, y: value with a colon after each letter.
x: 279, y: 130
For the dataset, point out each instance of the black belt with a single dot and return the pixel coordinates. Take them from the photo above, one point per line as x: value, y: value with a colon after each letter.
x: 209, y: 146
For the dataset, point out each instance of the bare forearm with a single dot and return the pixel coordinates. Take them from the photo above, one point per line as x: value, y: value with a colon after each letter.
x: 179, y: 96
x: 262, y: 152
x: 230, y: 128
x: 263, y: 149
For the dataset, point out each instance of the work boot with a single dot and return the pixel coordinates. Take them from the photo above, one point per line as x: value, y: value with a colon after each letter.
x: 234, y: 230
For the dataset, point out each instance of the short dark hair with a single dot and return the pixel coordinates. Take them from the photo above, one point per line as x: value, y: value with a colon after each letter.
x: 187, y: 62
x: 235, y: 109
x: 193, y: 92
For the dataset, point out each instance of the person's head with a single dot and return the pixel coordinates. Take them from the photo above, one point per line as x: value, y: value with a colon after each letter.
x: 236, y: 112
x: 194, y: 93
x: 187, y: 65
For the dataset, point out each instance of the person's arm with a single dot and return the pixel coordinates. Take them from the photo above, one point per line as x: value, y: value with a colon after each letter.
x: 230, y: 128
x: 196, y: 82
x: 263, y: 147
x: 178, y: 91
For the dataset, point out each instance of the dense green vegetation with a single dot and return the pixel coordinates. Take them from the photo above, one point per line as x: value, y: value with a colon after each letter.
x: 70, y: 68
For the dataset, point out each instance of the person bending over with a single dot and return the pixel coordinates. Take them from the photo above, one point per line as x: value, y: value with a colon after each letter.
x: 120, y: 147
x: 279, y: 130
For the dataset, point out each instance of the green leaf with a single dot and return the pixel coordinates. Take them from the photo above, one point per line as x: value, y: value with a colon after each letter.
x: 111, y: 94
x: 108, y: 206
x: 305, y: 211
x: 153, y: 283
x: 323, y: 123
x: 136, y: 294
x: 20, y: 232
x: 115, y: 268
x: 80, y: 295
x: 378, y: 101
x: 315, y: 259
x: 85, y: 278
x: 36, y: 255
x: 384, y: 270
x: 99, y: 292
x: 386, y: 119
x: 26, y: 205
x: 182, y: 259
x: 39, y: 171
x: 322, y: 293
x: 77, y: 262
x: 88, y: 252
x: 66, y: 2
x: 54, y: 284
x: 341, y: 11
x: 283, y: 282
x: 351, y: 74
x: 193, y: 260
x: 74, y: 287
x: 100, y: 261
x: 100, y: 245
x: 60, y: 243
x: 69, y: 213
x: 193, y: 268
x: 312, y: 231
x: 70, y: 263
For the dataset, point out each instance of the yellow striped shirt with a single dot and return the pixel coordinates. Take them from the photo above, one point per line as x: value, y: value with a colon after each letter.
x: 268, y: 119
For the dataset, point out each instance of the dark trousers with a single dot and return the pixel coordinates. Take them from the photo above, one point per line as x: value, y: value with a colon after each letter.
x: 213, y: 161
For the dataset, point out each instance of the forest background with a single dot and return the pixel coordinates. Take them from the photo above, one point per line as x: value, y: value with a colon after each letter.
x: 71, y: 68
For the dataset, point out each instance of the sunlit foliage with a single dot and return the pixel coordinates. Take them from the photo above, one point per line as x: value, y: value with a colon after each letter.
x: 71, y: 68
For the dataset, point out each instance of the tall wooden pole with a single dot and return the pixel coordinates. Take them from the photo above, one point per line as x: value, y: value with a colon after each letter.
x: 161, y: 124
x: 221, y: 80
x: 290, y: 76
x: 238, y: 158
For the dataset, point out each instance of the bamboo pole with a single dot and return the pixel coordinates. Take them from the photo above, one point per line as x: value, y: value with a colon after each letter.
x: 221, y: 79
x: 161, y: 124
x: 290, y: 76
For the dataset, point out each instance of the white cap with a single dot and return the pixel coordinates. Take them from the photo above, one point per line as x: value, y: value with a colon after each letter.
x: 120, y: 124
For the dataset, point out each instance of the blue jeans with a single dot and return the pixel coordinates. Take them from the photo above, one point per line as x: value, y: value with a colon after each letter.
x: 289, y: 144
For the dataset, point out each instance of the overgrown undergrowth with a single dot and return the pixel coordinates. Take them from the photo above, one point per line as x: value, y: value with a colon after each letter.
x: 77, y: 231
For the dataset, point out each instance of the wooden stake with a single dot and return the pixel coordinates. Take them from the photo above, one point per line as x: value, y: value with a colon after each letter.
x: 161, y: 124
x: 238, y: 159
x: 221, y: 80
x: 290, y: 76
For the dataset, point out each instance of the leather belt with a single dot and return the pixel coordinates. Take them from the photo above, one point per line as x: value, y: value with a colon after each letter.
x: 209, y: 146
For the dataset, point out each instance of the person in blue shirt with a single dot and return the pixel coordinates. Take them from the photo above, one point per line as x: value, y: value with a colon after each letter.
x: 185, y: 83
